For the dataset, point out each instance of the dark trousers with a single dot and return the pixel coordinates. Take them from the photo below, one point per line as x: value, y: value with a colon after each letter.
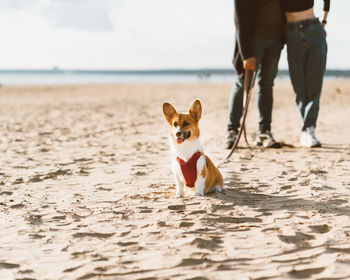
x: 267, y: 54
x: 307, y: 55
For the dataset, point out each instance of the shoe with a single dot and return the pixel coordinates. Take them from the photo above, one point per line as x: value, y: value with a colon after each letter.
x: 231, y: 138
x: 266, y: 140
x: 308, y: 138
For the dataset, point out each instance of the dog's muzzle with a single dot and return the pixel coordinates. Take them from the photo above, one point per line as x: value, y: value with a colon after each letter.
x: 181, y: 136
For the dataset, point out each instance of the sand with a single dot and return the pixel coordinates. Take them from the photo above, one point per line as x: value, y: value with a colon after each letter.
x: 86, y: 190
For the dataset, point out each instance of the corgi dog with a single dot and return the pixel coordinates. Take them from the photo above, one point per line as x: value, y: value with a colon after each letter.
x: 191, y: 167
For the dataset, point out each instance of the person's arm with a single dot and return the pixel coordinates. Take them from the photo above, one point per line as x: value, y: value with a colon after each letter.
x: 244, y: 22
x: 325, y: 12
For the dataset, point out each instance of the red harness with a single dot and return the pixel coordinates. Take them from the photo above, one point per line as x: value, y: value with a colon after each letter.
x: 189, y: 169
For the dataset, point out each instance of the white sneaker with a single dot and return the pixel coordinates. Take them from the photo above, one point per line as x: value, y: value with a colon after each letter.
x: 308, y: 138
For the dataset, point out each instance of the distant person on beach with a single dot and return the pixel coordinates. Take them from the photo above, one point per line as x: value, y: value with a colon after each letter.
x: 259, y: 41
x: 307, y: 53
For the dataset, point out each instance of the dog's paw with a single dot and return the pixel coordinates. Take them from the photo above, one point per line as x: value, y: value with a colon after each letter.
x: 219, y: 189
x: 198, y: 194
x: 179, y: 195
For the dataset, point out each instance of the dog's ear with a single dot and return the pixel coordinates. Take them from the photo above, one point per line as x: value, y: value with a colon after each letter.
x: 195, y: 110
x: 168, y: 111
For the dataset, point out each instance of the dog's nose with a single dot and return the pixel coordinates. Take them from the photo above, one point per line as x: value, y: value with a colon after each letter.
x: 178, y: 134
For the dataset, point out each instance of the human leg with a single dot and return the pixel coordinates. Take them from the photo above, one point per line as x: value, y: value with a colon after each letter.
x: 307, y: 51
x: 235, y: 110
x: 296, y: 53
x: 236, y: 104
x: 315, y: 67
x: 267, y: 53
x: 267, y: 74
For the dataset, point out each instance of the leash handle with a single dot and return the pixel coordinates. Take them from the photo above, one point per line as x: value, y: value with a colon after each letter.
x: 247, y: 88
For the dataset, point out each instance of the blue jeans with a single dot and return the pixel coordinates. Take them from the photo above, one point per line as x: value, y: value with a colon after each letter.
x: 307, y: 55
x: 267, y: 54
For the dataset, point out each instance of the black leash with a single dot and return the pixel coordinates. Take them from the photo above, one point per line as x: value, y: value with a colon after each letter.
x: 247, y: 90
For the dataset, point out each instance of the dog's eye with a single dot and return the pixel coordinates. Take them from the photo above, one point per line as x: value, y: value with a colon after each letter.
x: 185, y: 124
x: 175, y: 124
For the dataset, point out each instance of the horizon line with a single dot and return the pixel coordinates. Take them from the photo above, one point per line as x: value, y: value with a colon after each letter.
x: 201, y: 72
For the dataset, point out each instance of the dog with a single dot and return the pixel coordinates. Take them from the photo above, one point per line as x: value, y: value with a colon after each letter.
x: 190, y: 166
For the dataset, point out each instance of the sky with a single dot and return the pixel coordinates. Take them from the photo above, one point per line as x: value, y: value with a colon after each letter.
x: 136, y: 34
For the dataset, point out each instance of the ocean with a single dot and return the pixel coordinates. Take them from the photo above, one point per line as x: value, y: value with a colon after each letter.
x: 66, y: 77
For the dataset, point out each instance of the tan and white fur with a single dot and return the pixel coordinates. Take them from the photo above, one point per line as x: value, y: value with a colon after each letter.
x: 184, y: 138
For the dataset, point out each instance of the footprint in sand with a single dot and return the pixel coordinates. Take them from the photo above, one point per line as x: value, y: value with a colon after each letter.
x: 185, y: 224
x: 140, y: 173
x: 99, y: 258
x: 145, y: 209
x: 337, y: 201
x: 286, y: 187
x: 6, y: 193
x: 190, y: 262
x: 177, y: 207
x: 339, y: 250
x: 35, y: 179
x: 34, y: 219
x: 298, y: 238
x: 92, y: 234
x: 104, y: 189
x: 82, y: 159
x: 18, y: 181
x: 320, y: 228
x: 161, y: 224
x: 8, y: 265
x: 125, y: 233
x: 26, y: 271
x: 206, y: 244
x: 59, y: 172
x: 72, y: 268
x: 77, y: 217
x: 36, y: 236
x: 17, y: 206
x: 196, y: 212
x: 305, y: 273
x: 60, y: 217
x: 234, y: 220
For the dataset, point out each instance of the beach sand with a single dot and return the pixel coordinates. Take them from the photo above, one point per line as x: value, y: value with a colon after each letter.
x: 86, y: 190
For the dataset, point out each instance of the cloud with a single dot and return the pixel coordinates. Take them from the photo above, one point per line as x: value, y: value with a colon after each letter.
x: 88, y: 15
x: 131, y: 34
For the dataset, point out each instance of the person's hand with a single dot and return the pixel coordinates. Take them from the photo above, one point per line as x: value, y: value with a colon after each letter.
x: 324, y: 28
x: 249, y: 63
x: 324, y: 22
